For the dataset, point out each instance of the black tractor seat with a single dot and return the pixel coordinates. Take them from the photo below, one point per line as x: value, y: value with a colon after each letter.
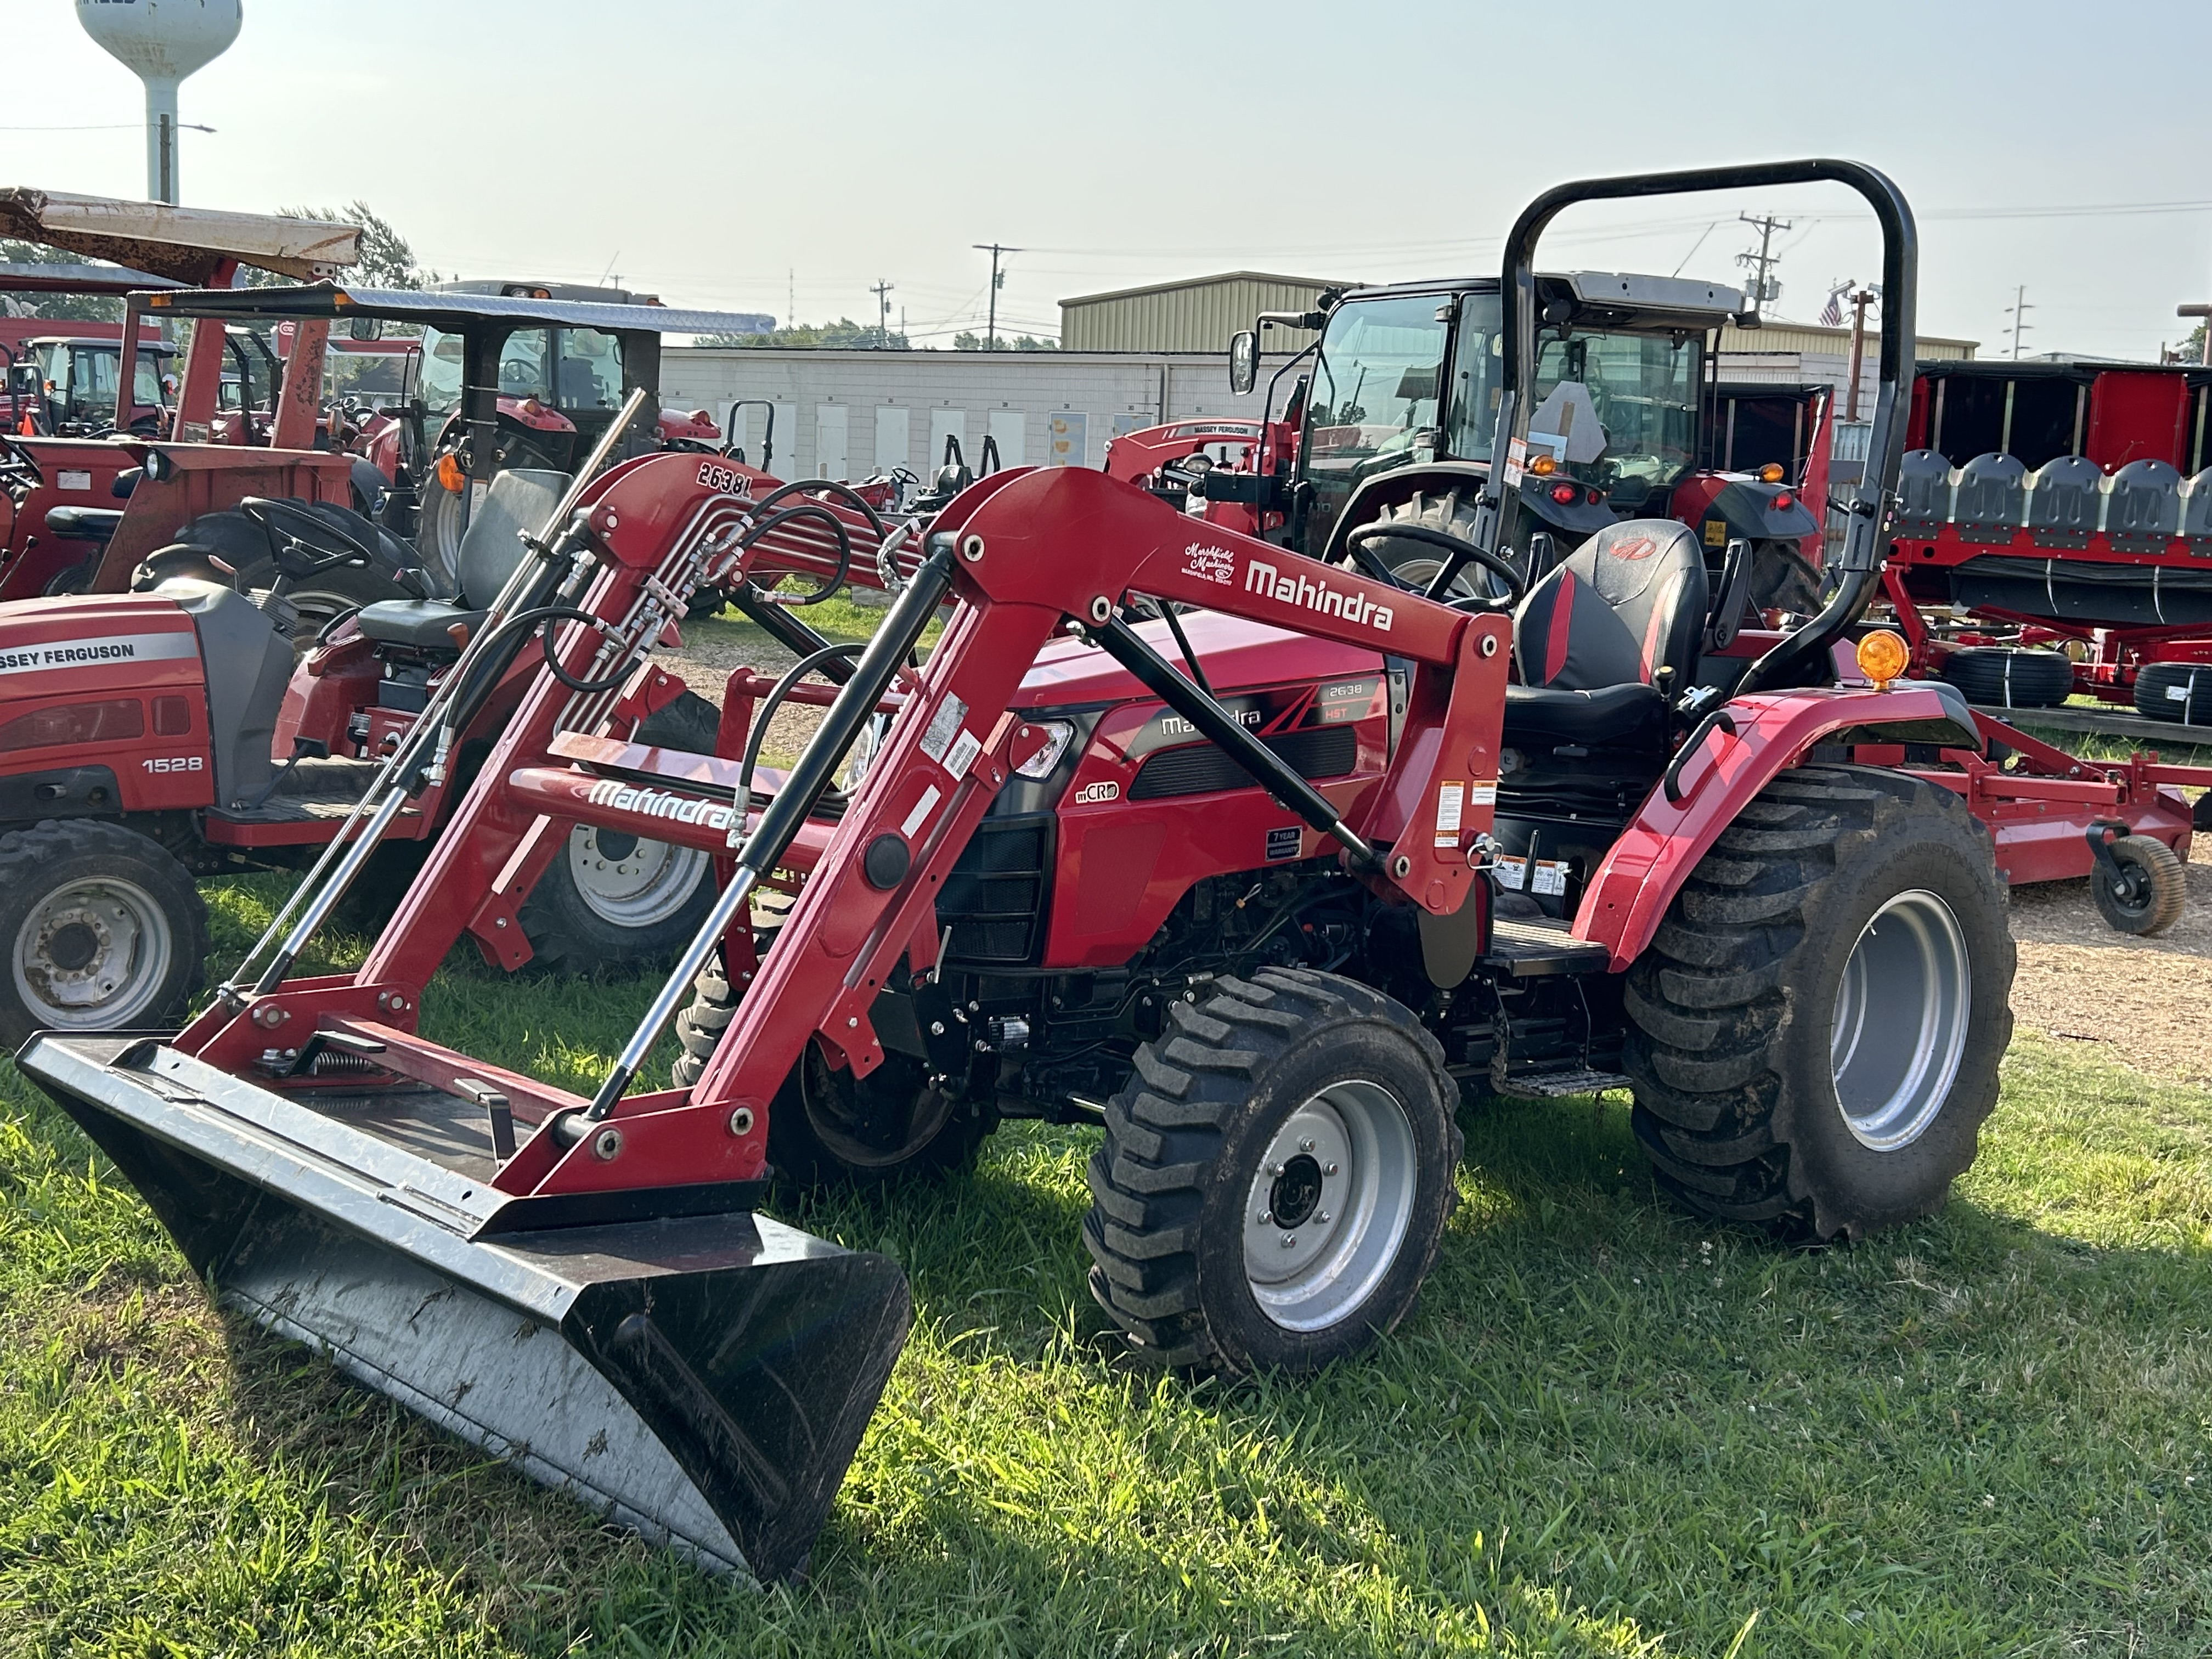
x: 520, y: 500
x: 1592, y: 639
x: 84, y: 524
x: 425, y: 624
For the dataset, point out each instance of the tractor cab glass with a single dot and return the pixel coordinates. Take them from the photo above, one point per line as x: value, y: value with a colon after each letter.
x: 588, y: 373
x: 1617, y: 410
x: 1376, y: 386
x: 439, y: 375
x: 524, y: 371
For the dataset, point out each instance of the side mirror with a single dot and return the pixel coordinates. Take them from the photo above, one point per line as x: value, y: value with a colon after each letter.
x: 367, y: 328
x: 1243, y: 361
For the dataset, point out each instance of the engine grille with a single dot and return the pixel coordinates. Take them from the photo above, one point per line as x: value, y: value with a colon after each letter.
x: 1198, y: 769
x: 993, y: 899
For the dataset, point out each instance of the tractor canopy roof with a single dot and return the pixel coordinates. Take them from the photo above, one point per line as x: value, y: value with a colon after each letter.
x: 19, y: 278
x: 176, y: 243
x: 1600, y: 299
x: 448, y: 311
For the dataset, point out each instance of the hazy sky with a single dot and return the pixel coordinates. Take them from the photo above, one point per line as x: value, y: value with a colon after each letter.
x: 733, y: 155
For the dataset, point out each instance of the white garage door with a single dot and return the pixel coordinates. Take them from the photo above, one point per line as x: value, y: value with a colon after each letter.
x: 830, y: 423
x: 892, y: 437
x: 1008, y: 428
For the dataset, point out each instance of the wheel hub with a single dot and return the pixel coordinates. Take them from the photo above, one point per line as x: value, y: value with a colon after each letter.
x: 631, y: 882
x: 1901, y: 1021
x: 1329, y: 1205
x: 94, y: 954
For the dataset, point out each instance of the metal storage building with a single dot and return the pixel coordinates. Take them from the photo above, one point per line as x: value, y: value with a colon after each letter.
x: 848, y: 414
x: 1196, y: 314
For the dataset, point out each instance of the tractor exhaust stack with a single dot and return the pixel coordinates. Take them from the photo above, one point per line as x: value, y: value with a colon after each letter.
x: 669, y: 1358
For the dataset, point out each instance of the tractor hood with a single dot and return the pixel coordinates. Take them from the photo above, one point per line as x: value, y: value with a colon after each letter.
x: 1234, y: 653
x: 49, y: 644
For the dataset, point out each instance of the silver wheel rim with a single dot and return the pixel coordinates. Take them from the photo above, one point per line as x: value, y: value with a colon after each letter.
x: 93, y: 956
x: 1343, y: 1170
x: 1901, y: 1021
x: 633, y: 886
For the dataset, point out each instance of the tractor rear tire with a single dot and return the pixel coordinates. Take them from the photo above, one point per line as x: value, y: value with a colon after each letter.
x: 828, y: 1128
x: 1814, y: 1032
x: 1415, y: 563
x: 1997, y: 677
x: 104, y: 930
x: 2152, y: 891
x: 1275, y: 1178
x: 624, y: 902
x: 2175, y: 691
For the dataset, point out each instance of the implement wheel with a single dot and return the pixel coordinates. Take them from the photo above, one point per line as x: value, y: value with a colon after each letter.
x: 1275, y: 1177
x: 1815, y: 1030
x: 2145, y: 890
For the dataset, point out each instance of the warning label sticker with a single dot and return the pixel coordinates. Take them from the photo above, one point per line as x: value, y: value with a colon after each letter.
x: 965, y: 748
x: 1450, y: 803
x: 1483, y: 793
x: 943, y: 727
x: 1511, y: 871
x: 1550, y: 875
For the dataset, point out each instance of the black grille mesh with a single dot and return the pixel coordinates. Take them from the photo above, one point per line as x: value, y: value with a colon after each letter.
x: 1198, y: 769
x: 993, y: 900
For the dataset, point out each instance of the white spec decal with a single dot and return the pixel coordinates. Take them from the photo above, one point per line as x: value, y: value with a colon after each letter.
x: 714, y: 475
x: 174, y: 764
x: 106, y: 648
x: 1092, y: 794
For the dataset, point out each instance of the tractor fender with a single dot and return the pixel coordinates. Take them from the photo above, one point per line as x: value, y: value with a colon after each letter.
x: 1628, y: 895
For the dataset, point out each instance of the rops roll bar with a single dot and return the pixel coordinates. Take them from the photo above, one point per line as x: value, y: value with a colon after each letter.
x: 1801, y: 658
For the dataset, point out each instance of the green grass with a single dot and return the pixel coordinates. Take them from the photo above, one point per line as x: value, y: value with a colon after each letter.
x: 1608, y: 1429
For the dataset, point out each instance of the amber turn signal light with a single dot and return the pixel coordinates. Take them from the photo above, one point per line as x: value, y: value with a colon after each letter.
x: 1770, y: 473
x: 450, y: 474
x: 1883, y: 656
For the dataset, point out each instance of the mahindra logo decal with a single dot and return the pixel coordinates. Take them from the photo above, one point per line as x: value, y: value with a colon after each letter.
x: 659, y: 804
x: 1637, y: 547
x: 1318, y: 597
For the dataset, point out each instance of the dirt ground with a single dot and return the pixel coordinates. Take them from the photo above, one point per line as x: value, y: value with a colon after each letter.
x: 2144, y: 1003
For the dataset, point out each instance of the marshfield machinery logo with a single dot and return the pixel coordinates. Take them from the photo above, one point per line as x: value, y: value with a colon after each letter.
x: 659, y: 804
x: 1318, y: 597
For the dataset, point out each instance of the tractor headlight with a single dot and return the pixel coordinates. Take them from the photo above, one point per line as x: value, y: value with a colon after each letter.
x: 1058, y: 734
x: 863, y: 752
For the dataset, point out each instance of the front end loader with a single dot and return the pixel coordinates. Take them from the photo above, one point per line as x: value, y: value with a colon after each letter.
x: 1258, y: 864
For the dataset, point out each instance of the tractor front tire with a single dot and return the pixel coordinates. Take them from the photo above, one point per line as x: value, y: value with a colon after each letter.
x: 1275, y: 1178
x: 615, y: 901
x: 104, y: 929
x: 827, y: 1127
x: 1815, y: 1029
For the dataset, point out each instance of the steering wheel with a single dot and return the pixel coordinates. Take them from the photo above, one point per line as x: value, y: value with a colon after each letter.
x: 298, y: 555
x: 523, y: 371
x: 1516, y: 585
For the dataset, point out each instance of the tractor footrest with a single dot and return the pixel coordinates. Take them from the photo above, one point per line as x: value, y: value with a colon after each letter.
x: 1557, y: 1085
x: 1527, y: 949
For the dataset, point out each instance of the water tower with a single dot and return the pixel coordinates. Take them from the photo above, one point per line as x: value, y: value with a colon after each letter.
x: 160, y: 42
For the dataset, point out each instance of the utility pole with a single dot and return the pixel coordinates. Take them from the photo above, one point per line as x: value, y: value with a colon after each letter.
x: 882, y: 291
x: 2203, y: 315
x: 1763, y: 289
x: 1860, y: 301
x: 791, y: 296
x: 998, y: 282
x: 2018, y: 310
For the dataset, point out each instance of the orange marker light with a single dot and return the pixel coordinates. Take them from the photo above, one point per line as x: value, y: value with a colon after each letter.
x: 1883, y: 656
x: 450, y: 474
x: 1770, y: 473
x: 1542, y: 464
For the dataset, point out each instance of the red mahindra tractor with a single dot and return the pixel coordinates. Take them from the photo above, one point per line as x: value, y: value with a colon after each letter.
x: 1229, y: 883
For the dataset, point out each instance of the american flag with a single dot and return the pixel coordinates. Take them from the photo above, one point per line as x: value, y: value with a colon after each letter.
x: 1831, y: 314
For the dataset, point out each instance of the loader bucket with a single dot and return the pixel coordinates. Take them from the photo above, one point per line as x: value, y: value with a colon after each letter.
x: 703, y: 1378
